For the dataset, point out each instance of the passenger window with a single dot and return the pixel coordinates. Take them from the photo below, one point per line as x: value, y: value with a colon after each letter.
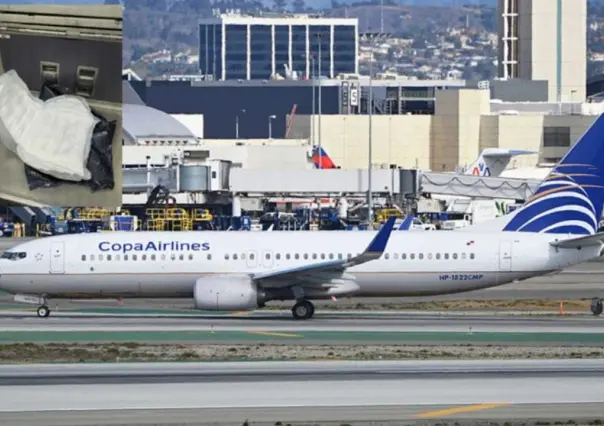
x: 152, y: 257
x: 297, y: 256
x: 267, y: 256
x: 133, y: 257
x: 92, y: 257
x: 242, y: 256
x: 209, y: 256
x: 463, y: 256
x: 144, y: 257
x: 22, y: 255
x: 340, y: 256
x: 190, y: 256
x: 386, y: 256
x: 181, y: 257
x: 235, y: 256
x: 471, y: 255
x: 125, y: 257
x: 314, y: 255
x: 437, y: 256
x: 331, y: 256
x: 163, y: 257
x: 117, y: 257
x: 412, y: 256
x: 100, y: 257
x: 446, y: 255
x: 287, y: 256
x: 226, y: 256
x: 108, y: 257
x: 430, y: 256
x: 404, y: 256
x: 454, y: 255
x: 252, y: 256
x: 305, y: 255
x: 83, y: 257
x: 349, y: 256
x: 322, y: 255
x: 395, y: 256
x: 278, y: 256
x: 421, y: 256
x: 172, y: 257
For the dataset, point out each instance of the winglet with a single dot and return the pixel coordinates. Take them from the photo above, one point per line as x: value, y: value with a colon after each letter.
x: 406, y: 223
x: 379, y: 242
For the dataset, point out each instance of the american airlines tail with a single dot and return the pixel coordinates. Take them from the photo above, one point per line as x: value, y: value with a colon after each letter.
x: 492, y: 161
x: 570, y: 199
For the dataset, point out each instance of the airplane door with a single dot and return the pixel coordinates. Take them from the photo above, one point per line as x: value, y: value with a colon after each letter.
x: 267, y: 258
x: 505, y: 256
x: 251, y: 259
x: 57, y: 257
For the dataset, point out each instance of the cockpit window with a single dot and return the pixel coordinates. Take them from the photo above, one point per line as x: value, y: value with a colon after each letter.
x: 13, y: 255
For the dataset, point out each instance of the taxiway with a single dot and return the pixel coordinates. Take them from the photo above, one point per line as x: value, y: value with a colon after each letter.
x: 462, y: 391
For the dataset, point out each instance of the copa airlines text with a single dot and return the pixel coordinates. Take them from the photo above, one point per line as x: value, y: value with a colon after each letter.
x: 231, y: 271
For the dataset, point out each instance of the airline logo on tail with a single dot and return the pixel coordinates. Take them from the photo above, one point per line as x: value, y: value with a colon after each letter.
x: 570, y: 199
x: 322, y: 161
x: 481, y: 170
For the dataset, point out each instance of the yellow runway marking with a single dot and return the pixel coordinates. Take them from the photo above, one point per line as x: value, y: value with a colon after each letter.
x: 270, y: 333
x: 457, y: 410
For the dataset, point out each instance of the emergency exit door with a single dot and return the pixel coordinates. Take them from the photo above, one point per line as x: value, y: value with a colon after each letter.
x: 505, y: 256
x: 57, y: 257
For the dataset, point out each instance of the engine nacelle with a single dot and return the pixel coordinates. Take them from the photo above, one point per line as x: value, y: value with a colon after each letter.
x: 227, y: 293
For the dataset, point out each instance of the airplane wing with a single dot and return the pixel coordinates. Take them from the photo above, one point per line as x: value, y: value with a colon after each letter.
x: 574, y: 243
x: 406, y: 223
x: 288, y: 276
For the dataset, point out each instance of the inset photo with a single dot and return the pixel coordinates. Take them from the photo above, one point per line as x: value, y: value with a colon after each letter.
x: 61, y: 105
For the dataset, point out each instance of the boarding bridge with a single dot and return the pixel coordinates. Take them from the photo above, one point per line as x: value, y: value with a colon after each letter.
x: 454, y: 184
x: 220, y: 177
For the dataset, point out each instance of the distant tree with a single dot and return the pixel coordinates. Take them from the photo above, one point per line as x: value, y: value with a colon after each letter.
x: 298, y: 6
x: 112, y: 2
x: 280, y: 5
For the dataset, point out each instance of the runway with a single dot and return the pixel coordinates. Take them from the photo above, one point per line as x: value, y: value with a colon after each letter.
x: 332, y: 328
x: 461, y: 391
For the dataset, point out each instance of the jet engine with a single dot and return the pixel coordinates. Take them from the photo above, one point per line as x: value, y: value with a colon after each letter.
x: 227, y: 293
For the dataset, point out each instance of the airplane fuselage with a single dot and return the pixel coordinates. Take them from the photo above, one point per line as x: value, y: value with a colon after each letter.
x: 167, y: 264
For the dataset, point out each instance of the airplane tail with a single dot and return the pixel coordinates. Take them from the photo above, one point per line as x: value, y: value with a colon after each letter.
x: 570, y: 199
x: 493, y: 161
x: 323, y: 160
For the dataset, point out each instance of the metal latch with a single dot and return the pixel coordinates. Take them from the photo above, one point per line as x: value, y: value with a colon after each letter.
x: 85, y: 81
x: 49, y: 72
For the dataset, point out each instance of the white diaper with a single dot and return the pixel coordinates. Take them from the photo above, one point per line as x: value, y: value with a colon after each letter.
x: 53, y: 137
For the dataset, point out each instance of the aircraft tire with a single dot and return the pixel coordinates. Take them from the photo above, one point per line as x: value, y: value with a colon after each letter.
x: 303, y: 310
x: 43, y: 311
x: 596, y: 306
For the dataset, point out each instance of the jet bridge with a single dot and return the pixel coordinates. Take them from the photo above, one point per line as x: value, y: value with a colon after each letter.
x: 477, y: 186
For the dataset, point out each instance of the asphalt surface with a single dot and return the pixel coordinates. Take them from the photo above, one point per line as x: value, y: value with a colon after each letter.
x: 410, y: 391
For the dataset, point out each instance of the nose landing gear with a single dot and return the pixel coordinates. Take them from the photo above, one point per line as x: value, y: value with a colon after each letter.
x: 43, y: 311
x: 597, y: 306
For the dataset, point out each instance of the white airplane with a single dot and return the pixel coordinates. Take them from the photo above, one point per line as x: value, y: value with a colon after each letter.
x: 493, y: 161
x: 233, y: 271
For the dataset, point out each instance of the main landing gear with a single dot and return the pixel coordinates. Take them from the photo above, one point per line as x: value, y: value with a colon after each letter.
x: 43, y: 311
x: 596, y: 306
x: 303, y: 310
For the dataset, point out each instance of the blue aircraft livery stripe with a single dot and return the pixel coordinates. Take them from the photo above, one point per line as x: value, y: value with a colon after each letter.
x: 153, y: 246
x: 570, y: 199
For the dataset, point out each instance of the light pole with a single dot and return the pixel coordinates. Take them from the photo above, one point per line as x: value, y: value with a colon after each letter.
x: 319, y: 35
x: 312, y: 120
x: 270, y: 125
x: 237, y: 124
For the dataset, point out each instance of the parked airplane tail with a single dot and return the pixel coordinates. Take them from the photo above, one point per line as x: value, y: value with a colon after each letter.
x: 324, y: 160
x: 493, y: 161
x: 571, y: 197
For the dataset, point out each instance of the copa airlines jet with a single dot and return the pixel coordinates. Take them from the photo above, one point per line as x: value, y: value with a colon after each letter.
x: 555, y: 229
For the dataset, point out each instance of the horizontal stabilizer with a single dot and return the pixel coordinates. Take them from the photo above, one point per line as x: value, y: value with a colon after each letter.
x: 575, y: 243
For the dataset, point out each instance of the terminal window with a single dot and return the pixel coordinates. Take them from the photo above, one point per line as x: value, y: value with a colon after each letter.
x: 281, y: 47
x: 236, y: 52
x: 261, y: 54
x: 344, y: 49
x: 556, y: 137
x: 298, y: 49
x: 319, y: 38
